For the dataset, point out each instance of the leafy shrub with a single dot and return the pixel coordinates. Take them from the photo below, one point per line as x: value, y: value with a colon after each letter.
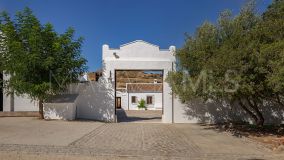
x: 141, y: 104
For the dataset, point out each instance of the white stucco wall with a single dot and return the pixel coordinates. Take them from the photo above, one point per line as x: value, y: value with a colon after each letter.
x: 198, y: 111
x: 180, y: 113
x: 140, y: 55
x: 24, y: 103
x: 6, y: 102
x: 157, y: 100
x: 61, y: 106
x: 60, y: 111
x: 21, y: 102
x: 124, y: 99
x: 95, y: 100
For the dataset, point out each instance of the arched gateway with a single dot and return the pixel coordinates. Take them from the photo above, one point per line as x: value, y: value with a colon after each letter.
x: 139, y: 55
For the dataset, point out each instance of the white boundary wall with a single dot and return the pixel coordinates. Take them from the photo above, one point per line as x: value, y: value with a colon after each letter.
x: 21, y: 103
x: 94, y: 101
x: 219, y: 112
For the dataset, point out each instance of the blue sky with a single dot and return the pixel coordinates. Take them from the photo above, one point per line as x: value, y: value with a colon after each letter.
x: 115, y: 22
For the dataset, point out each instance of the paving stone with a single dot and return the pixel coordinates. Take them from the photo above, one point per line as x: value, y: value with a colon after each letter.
x: 139, y: 116
x: 142, y: 141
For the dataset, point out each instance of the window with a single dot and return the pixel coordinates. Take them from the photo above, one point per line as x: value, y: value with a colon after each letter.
x: 149, y: 99
x: 133, y: 99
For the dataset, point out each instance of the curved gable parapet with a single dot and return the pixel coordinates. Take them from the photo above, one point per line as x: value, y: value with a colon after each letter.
x: 139, y: 43
x: 138, y: 50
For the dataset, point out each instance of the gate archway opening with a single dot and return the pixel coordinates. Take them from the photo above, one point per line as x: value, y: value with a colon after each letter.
x: 139, y: 95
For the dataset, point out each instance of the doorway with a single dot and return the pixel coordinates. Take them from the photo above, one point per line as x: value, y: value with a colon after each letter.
x: 136, y: 88
x: 118, y: 102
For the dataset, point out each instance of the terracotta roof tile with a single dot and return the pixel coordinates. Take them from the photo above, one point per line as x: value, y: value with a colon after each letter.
x: 144, y: 87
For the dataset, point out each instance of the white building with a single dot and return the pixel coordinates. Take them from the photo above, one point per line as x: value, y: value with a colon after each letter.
x: 129, y: 98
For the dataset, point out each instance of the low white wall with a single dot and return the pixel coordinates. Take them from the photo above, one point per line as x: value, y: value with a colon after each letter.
x: 61, y: 107
x: 62, y: 111
x: 21, y: 103
x: 6, y: 103
x: 217, y: 112
x: 24, y: 103
x: 95, y: 100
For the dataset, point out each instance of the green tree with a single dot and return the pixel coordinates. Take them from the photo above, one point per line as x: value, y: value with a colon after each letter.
x: 271, y: 38
x: 40, y: 61
x: 239, y: 47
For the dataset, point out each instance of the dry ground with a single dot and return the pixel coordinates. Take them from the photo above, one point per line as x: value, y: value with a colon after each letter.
x: 272, y: 136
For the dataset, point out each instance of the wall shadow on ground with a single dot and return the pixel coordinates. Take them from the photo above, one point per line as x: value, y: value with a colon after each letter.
x: 138, y: 116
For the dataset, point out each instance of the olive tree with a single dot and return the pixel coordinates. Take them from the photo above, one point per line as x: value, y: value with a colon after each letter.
x: 239, y: 59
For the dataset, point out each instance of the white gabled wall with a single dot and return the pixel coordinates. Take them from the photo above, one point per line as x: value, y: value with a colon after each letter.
x: 140, y: 55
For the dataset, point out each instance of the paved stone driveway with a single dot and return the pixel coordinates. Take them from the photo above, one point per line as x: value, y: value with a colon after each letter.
x: 139, y: 116
x: 124, y: 141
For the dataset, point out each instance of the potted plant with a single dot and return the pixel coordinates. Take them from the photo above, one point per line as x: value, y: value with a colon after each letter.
x: 141, y: 105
